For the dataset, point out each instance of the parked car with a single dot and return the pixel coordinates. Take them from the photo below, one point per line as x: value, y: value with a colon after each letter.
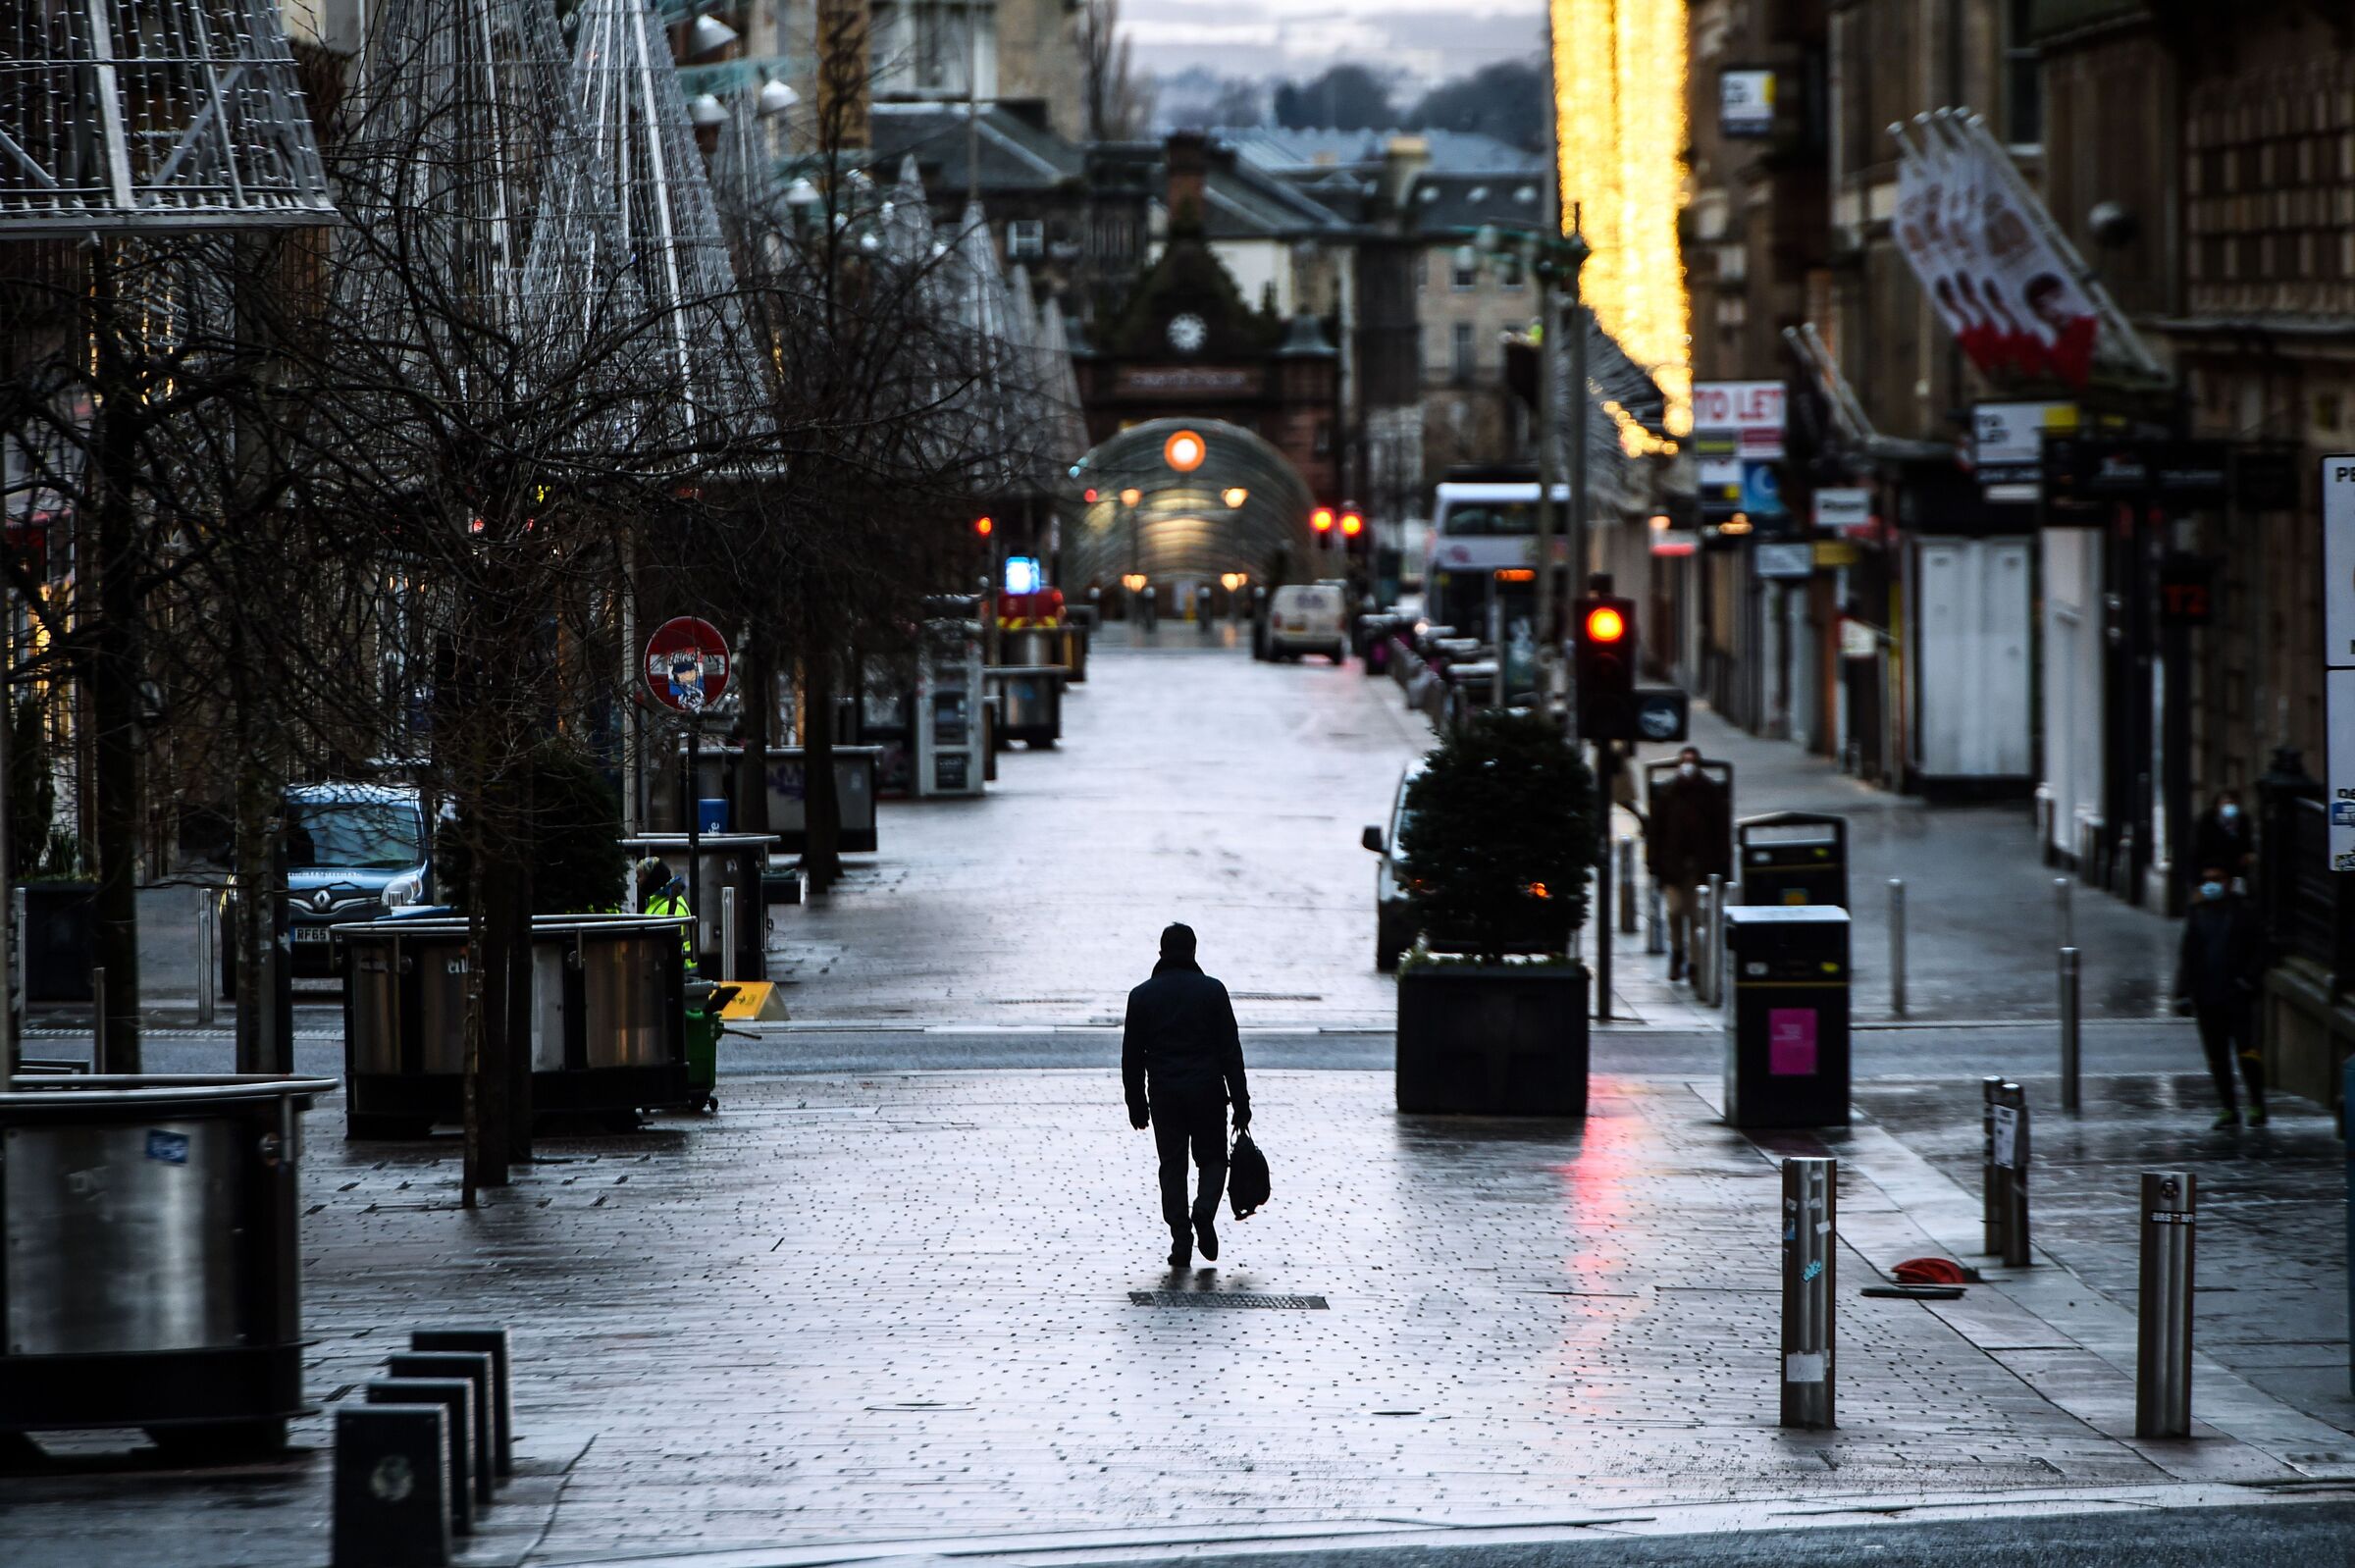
x: 1394, y: 915
x: 1309, y: 618
x: 354, y: 852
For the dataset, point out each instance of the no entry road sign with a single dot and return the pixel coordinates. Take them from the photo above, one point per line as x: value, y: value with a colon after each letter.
x: 687, y: 664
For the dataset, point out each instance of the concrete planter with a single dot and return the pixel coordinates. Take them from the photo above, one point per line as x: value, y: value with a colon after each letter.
x: 1503, y: 1041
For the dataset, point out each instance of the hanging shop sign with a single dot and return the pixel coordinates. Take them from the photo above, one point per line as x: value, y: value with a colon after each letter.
x: 1859, y: 639
x: 1844, y: 510
x: 1783, y: 560
x: 1745, y: 103
x: 2008, y: 445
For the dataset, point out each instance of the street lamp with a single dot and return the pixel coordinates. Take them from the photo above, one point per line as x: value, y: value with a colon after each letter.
x: 776, y: 97
x: 705, y: 110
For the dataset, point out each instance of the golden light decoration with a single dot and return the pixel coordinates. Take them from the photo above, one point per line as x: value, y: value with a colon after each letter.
x: 1130, y: 497
x: 1134, y: 582
x: 1183, y: 451
x: 1234, y: 495
x: 1230, y: 581
x: 1619, y: 114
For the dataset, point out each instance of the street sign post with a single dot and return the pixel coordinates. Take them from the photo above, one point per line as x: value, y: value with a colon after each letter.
x: 2338, y: 653
x: 687, y: 671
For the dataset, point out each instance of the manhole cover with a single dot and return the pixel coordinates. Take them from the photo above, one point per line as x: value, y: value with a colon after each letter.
x: 1276, y: 996
x: 1225, y: 1298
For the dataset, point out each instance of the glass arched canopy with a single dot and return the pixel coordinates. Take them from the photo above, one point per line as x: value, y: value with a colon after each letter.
x: 1221, y: 501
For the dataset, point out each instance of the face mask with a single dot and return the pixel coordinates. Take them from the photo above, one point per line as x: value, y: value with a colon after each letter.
x: 2212, y: 891
x: 1688, y: 769
x: 2227, y: 810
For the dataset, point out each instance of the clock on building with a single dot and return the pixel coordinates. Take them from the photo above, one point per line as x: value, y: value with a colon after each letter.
x: 1186, y: 333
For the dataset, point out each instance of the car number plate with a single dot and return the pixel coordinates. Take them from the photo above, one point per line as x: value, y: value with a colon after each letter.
x: 312, y: 933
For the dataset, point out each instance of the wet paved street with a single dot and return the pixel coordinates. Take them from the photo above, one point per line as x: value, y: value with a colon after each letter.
x: 885, y: 1296
x: 898, y: 1308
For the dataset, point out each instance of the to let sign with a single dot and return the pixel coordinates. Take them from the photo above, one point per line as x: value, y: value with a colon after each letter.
x: 2338, y: 652
x: 687, y: 664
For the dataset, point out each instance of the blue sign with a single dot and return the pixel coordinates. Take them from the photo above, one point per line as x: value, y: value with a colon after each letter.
x: 169, y: 1147
x: 1761, y: 487
x: 1025, y: 575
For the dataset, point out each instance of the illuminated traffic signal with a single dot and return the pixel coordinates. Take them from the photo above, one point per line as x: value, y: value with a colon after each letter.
x: 983, y: 526
x: 1606, y: 668
x: 1322, y: 521
x: 1352, y: 525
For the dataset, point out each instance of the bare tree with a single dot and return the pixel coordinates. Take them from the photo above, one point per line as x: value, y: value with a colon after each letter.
x: 1118, y: 104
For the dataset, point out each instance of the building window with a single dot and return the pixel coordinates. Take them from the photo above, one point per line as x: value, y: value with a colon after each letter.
x: 1463, y: 352
x: 1025, y: 237
x: 1464, y: 279
x: 2024, y: 80
x: 1510, y: 271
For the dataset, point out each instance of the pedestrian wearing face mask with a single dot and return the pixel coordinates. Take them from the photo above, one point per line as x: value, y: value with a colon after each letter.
x: 2217, y: 971
x: 1688, y: 840
x: 2223, y: 836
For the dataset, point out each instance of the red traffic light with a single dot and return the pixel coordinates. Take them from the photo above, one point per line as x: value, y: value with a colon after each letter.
x: 1352, y: 525
x: 1604, y: 624
x: 1088, y: 495
x: 982, y: 526
x: 1321, y: 519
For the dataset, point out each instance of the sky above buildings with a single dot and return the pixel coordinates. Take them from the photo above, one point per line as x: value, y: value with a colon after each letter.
x: 1427, y: 40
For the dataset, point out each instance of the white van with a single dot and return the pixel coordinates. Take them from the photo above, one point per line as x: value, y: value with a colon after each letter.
x: 1309, y: 618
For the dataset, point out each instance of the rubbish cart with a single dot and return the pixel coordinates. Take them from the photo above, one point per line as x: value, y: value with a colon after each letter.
x: 1793, y: 858
x: 1786, y: 1047
x: 705, y: 1001
x: 149, y: 1272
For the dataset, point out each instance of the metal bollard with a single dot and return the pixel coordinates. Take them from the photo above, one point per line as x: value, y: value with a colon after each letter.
x: 473, y: 1368
x: 1896, y: 946
x: 2162, y: 1327
x: 1627, y: 885
x: 98, y: 1054
x: 1713, y: 937
x: 727, y: 933
x: 1656, y: 932
x: 2065, y: 925
x: 1811, y: 1285
x: 2070, y: 977
x: 2011, y: 1166
x: 208, y: 974
x: 391, y: 1485
x: 492, y: 1342
x: 1991, y: 1203
x: 455, y: 1396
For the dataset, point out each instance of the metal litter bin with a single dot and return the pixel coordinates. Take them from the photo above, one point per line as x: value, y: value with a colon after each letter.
x: 148, y: 1266
x: 1793, y: 858
x: 608, y: 1028
x: 725, y: 859
x: 1032, y: 695
x: 1787, y: 1043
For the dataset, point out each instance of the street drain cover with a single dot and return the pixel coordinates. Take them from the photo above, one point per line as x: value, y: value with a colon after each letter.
x: 1224, y: 1298
x: 1276, y: 996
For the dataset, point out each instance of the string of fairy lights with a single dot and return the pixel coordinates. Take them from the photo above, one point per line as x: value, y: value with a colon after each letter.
x: 1619, y: 112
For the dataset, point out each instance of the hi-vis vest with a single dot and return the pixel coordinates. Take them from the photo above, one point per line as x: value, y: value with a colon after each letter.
x: 673, y: 905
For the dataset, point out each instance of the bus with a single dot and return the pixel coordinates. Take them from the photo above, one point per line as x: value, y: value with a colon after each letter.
x: 1482, y: 545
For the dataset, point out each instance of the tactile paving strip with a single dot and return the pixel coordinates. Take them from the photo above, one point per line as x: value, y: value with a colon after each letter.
x: 1225, y: 1298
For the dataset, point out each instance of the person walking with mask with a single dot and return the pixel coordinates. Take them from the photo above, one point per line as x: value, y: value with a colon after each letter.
x: 1181, y: 1063
x: 2217, y: 970
x: 2223, y: 836
x: 1687, y: 841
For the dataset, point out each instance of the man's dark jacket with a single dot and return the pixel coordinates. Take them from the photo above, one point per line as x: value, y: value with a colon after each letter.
x: 2222, y: 962
x: 1180, y: 1042
x: 1690, y: 836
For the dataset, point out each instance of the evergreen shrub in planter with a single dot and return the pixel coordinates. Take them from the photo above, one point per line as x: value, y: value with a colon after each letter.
x: 1499, y: 837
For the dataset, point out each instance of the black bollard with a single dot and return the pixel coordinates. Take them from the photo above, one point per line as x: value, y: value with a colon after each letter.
x: 392, y: 1487
x: 457, y: 1396
x: 475, y: 1367
x: 492, y: 1342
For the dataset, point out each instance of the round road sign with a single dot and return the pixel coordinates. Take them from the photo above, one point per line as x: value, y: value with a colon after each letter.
x: 687, y: 664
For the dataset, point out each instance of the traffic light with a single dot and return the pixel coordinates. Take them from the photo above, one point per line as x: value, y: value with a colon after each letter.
x: 1606, y: 668
x: 1322, y: 521
x: 982, y: 526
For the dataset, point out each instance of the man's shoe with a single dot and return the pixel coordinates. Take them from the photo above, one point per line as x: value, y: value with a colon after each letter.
x: 1209, y: 1239
x: 1181, y: 1252
x: 1676, y: 967
x: 2257, y: 1116
x: 2225, y: 1119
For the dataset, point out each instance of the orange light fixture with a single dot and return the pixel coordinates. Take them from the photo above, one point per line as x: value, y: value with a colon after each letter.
x: 1184, y: 451
x: 1321, y: 519
x: 1352, y: 525
x: 1130, y: 497
x: 1234, y: 495
x: 1604, y: 624
x: 1516, y: 574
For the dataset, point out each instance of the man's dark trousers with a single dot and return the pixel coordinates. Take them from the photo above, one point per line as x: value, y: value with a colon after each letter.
x: 2225, y: 1032
x: 1204, y: 1126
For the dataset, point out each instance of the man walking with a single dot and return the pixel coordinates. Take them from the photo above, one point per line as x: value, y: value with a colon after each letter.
x: 1182, y: 1061
x: 1687, y: 841
x: 2217, y: 971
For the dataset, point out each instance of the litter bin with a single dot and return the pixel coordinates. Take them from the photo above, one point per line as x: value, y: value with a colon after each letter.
x: 149, y: 1275
x: 608, y: 1032
x: 1793, y: 858
x: 857, y: 783
x: 1033, y: 701
x: 60, y: 939
x: 1786, y: 1049
x: 727, y: 860
x: 704, y: 999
